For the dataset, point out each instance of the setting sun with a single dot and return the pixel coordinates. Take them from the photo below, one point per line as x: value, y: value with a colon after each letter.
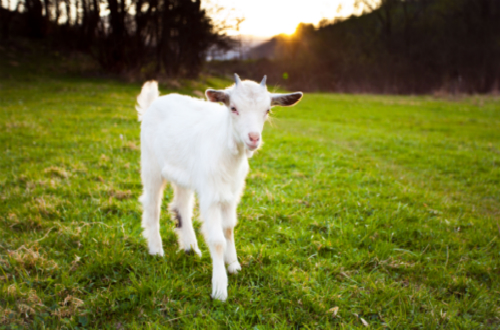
x: 270, y: 28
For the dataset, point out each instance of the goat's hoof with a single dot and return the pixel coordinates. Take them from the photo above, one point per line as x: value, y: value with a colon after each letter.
x: 193, y: 251
x: 219, y: 284
x: 155, y: 252
x: 234, y: 267
x: 219, y: 295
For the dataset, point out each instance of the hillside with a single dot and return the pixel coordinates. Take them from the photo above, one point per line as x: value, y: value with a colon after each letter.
x: 402, y: 47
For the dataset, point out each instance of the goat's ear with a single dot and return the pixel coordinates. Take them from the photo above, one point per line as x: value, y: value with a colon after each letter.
x: 286, y: 100
x: 217, y: 96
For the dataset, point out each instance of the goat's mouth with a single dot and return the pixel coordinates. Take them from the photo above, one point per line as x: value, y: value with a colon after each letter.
x: 252, y: 146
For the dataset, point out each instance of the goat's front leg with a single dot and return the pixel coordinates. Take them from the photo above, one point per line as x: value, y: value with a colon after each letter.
x: 229, y: 220
x: 214, y: 236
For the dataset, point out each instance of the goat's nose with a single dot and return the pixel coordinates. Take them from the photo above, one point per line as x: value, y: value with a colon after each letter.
x: 254, y: 137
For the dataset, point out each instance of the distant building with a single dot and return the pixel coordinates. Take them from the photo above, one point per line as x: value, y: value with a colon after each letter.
x: 243, y: 49
x: 265, y: 50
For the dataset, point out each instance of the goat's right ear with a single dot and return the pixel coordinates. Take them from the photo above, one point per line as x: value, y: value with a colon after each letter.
x: 217, y: 96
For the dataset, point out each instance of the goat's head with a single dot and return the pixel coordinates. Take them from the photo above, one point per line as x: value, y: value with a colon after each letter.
x: 249, y: 104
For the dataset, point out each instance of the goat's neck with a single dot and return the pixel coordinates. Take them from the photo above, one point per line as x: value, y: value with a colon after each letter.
x: 236, y: 149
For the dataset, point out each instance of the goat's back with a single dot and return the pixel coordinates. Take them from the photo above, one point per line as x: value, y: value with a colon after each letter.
x: 178, y: 126
x: 175, y: 110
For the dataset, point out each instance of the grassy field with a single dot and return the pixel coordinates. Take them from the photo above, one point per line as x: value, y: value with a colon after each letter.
x: 360, y: 211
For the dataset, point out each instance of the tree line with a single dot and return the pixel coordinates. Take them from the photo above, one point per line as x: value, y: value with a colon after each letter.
x: 158, y: 36
x: 397, y: 46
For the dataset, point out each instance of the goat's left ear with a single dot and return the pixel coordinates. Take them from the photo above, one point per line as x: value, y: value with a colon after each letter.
x: 286, y: 100
x: 217, y: 96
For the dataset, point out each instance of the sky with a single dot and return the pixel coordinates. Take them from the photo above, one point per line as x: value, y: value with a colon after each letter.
x: 267, y: 18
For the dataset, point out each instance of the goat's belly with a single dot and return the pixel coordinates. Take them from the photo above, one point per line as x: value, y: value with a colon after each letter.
x: 213, y: 188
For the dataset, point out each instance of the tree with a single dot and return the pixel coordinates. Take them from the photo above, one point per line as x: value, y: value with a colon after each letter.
x: 173, y: 34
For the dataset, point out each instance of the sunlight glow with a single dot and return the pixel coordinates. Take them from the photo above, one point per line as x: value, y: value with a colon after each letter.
x: 266, y: 18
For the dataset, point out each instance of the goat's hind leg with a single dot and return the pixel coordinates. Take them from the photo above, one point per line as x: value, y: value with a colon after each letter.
x: 182, y: 212
x: 151, y: 202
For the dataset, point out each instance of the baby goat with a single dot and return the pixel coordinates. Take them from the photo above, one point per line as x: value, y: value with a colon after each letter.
x: 202, y: 147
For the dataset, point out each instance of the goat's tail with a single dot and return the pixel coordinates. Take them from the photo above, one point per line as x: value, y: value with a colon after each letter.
x: 149, y: 93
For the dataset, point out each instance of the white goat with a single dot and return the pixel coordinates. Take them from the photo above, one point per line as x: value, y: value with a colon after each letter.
x: 202, y: 147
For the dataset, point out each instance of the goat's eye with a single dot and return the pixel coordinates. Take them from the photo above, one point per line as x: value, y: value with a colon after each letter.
x: 268, y: 111
x: 233, y: 110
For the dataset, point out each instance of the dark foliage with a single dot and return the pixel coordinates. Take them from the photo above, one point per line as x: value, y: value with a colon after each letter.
x: 150, y: 36
x: 412, y: 46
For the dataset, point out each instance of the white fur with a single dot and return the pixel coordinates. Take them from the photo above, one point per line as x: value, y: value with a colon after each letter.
x: 200, y: 147
x: 148, y: 94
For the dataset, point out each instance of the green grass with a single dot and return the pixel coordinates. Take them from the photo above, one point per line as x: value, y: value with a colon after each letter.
x: 376, y: 209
